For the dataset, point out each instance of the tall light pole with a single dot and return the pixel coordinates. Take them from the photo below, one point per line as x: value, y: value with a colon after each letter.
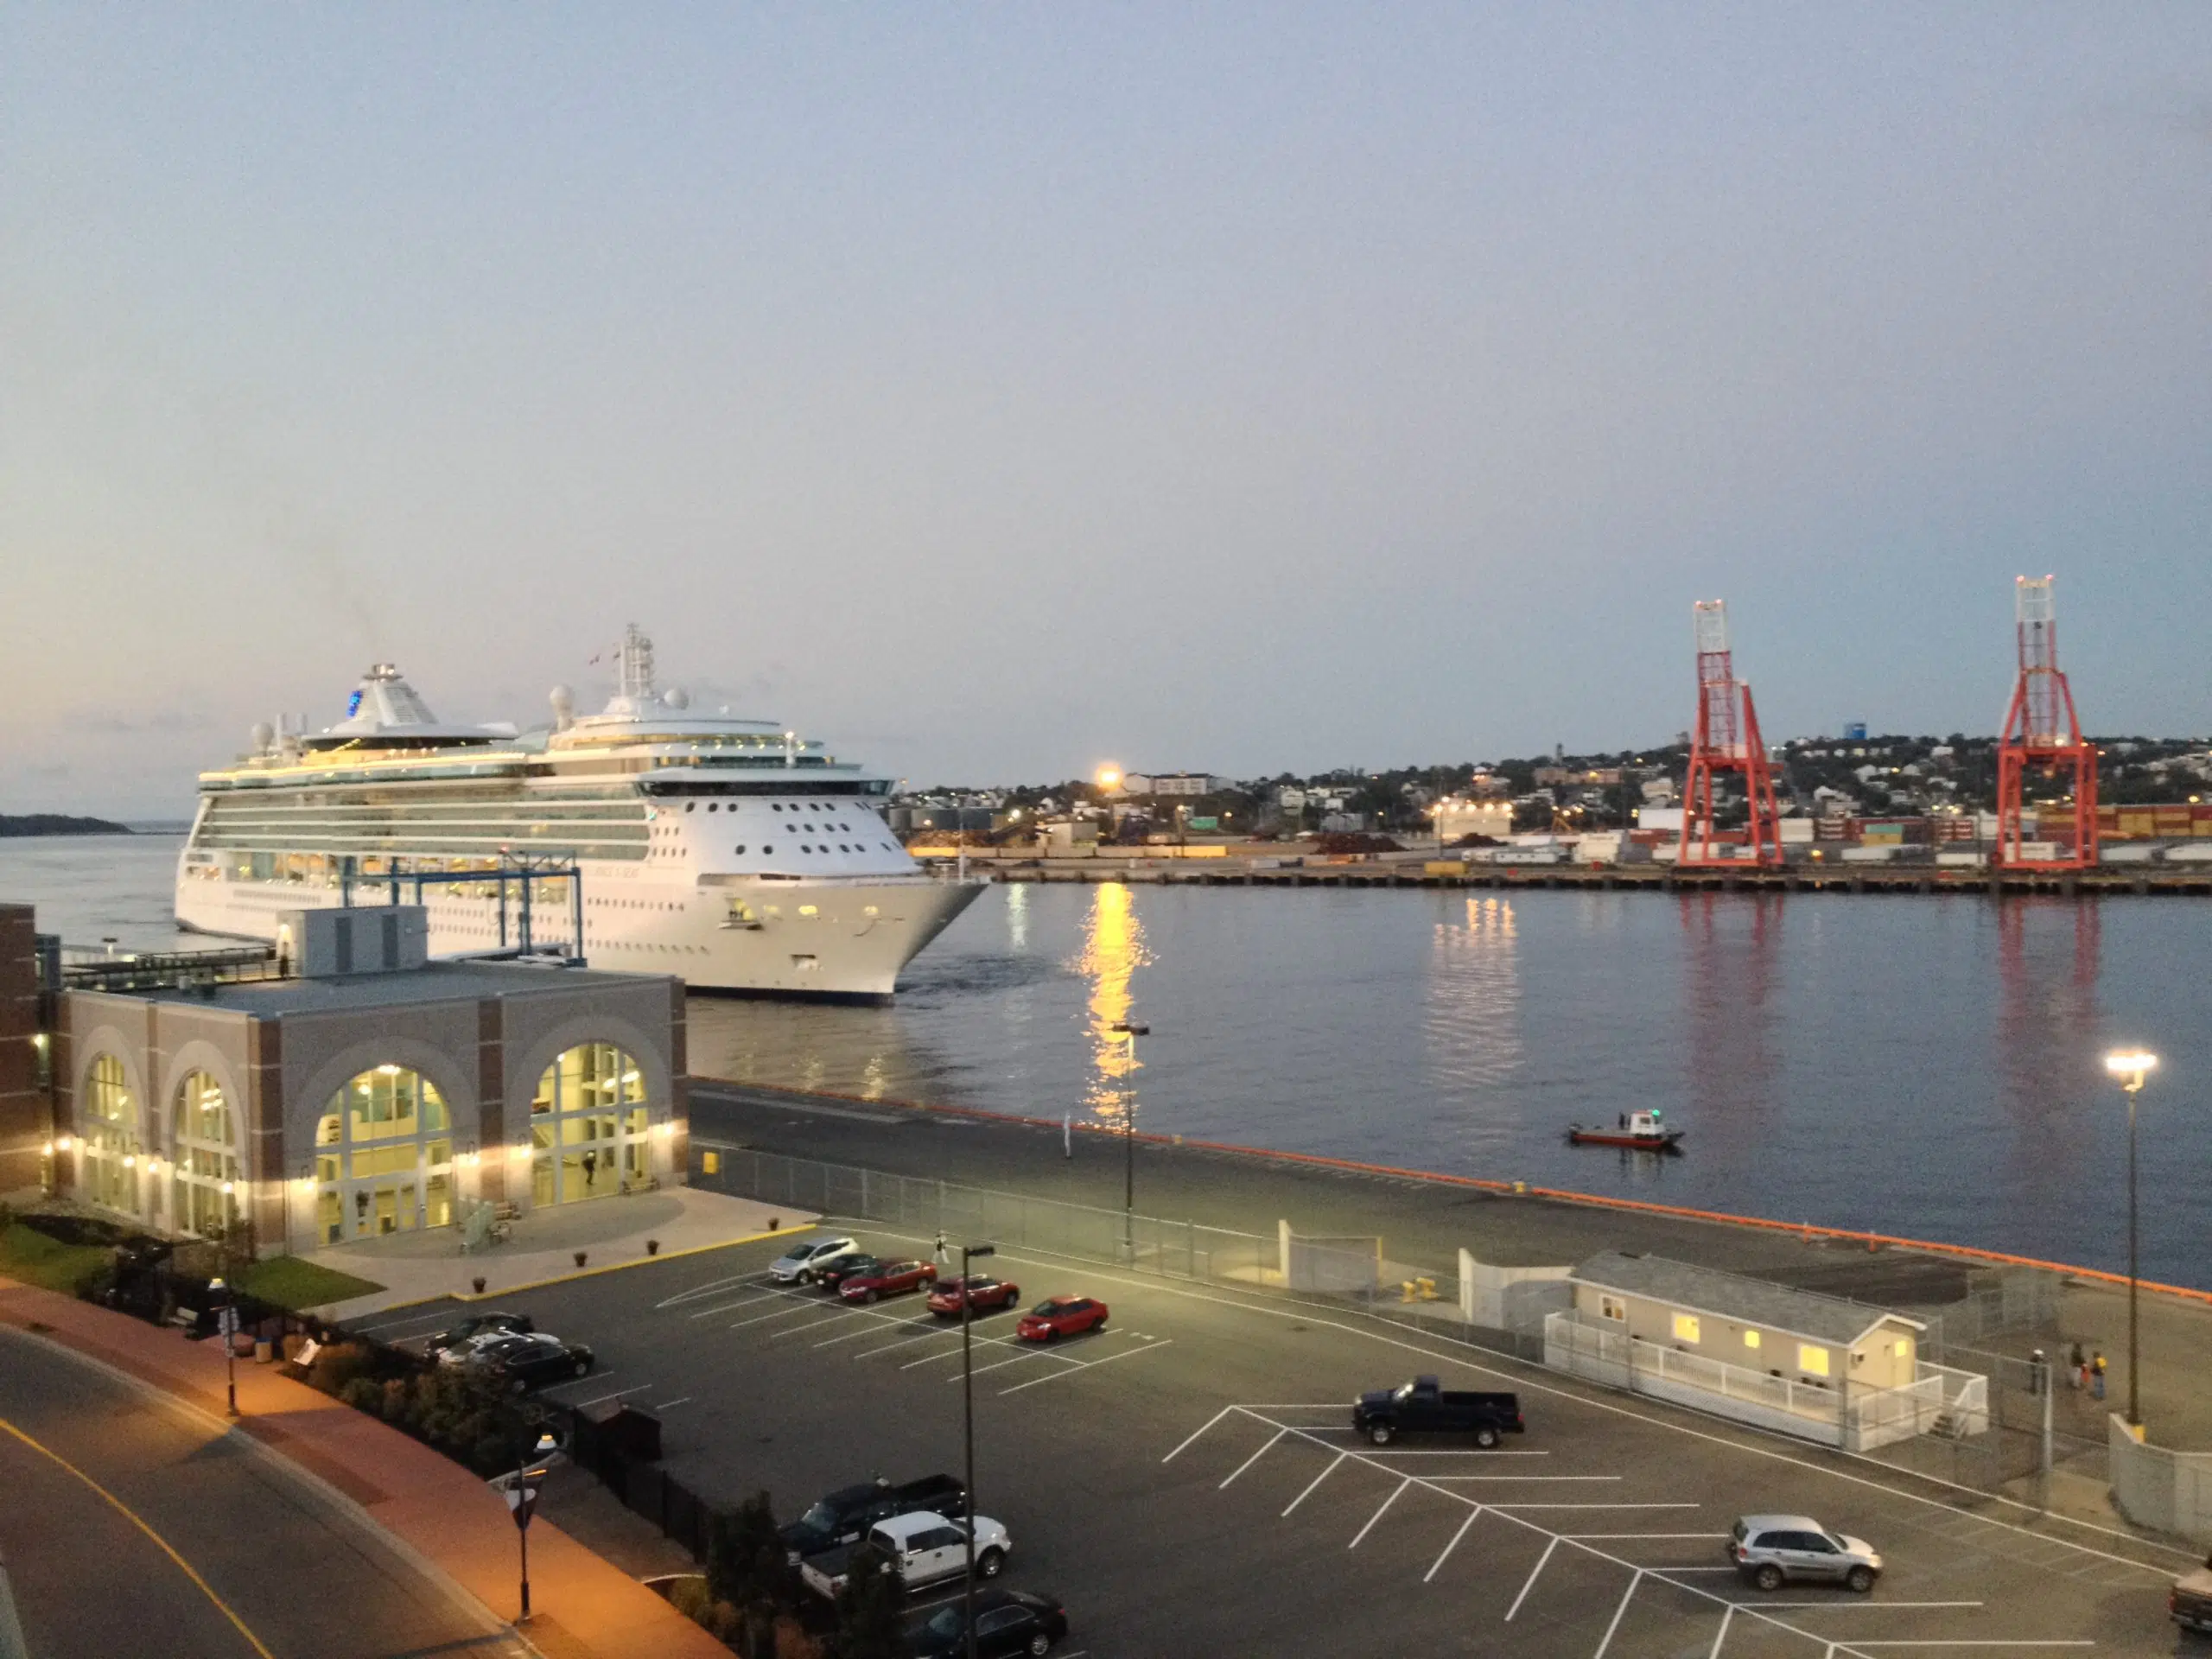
x: 522, y: 1503
x: 226, y: 1326
x: 1124, y: 1029
x: 968, y: 1253
x: 2131, y: 1066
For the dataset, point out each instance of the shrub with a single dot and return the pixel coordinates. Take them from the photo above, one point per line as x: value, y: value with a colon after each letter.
x: 746, y: 1560
x: 363, y: 1394
x: 339, y: 1364
x: 870, y: 1624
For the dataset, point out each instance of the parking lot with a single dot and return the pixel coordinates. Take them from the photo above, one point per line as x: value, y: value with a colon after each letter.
x: 1187, y: 1482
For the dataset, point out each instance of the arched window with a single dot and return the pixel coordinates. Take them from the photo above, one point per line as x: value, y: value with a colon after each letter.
x: 587, y: 1126
x: 111, y: 1127
x: 383, y: 1157
x: 207, y: 1183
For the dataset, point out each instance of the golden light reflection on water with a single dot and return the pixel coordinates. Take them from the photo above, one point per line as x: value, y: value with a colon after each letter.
x: 1113, y: 950
x: 1474, y: 995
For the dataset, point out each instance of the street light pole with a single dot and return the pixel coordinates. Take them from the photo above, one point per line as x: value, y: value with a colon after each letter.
x: 521, y: 1502
x: 1129, y: 1139
x: 968, y: 1253
x: 226, y: 1327
x: 2131, y: 1067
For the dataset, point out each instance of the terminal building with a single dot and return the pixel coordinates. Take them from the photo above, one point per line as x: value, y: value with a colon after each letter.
x: 348, y: 1089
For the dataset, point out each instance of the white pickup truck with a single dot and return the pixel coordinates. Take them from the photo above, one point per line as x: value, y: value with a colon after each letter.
x: 920, y: 1548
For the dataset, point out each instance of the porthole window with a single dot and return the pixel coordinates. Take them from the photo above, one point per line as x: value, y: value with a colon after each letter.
x: 741, y: 849
x: 690, y: 806
x: 765, y: 849
x: 713, y: 806
x: 776, y: 807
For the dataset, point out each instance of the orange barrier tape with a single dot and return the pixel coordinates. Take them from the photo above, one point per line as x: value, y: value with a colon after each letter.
x: 1642, y: 1206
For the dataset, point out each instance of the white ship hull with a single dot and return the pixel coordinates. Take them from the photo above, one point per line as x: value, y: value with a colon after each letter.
x: 636, y: 924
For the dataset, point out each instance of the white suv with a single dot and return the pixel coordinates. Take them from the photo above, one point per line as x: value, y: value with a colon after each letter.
x: 920, y: 1548
x: 802, y: 1261
x: 1772, y: 1550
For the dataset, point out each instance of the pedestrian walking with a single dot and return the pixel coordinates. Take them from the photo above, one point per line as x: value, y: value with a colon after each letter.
x: 940, y: 1247
x: 2097, y: 1374
x: 2078, y: 1364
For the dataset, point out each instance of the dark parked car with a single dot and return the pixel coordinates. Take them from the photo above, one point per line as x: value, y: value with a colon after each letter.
x: 982, y: 1292
x: 1423, y: 1407
x: 1007, y: 1622
x: 2189, y: 1603
x: 836, y: 1273
x: 892, y: 1279
x: 529, y: 1361
x: 476, y: 1325
x: 842, y: 1516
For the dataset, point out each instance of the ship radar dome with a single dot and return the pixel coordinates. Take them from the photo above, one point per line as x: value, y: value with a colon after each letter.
x: 677, y: 697
x: 264, y: 737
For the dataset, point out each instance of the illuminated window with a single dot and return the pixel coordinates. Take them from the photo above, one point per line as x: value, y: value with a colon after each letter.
x: 110, y: 1122
x: 1901, y: 1348
x: 383, y: 1157
x: 1814, y: 1362
x: 204, y: 1187
x: 1611, y: 1307
x: 1751, y: 1338
x: 1685, y: 1327
x: 588, y: 1126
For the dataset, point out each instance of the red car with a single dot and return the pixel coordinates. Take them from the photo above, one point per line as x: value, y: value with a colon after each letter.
x: 981, y: 1292
x: 1061, y: 1316
x: 890, y: 1279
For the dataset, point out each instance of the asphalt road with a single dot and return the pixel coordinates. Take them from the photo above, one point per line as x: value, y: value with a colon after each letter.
x: 1186, y: 1481
x: 204, y: 1545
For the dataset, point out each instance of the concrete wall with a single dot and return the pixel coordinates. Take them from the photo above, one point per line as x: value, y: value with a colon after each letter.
x: 2169, y: 1491
x: 1510, y: 1298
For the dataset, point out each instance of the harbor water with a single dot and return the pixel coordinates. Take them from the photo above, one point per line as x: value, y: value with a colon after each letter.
x: 1919, y: 1064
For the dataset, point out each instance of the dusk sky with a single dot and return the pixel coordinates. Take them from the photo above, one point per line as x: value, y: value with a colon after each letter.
x: 997, y: 391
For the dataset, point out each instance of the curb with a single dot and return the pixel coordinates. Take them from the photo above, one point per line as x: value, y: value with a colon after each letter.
x: 586, y: 1273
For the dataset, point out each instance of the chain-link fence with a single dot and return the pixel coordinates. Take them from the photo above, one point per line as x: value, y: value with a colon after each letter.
x: 922, y: 1208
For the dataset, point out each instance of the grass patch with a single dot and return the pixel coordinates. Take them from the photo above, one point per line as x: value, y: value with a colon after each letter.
x: 37, y: 1260
x: 290, y: 1281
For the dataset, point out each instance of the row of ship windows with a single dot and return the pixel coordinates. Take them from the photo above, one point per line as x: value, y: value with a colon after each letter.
x: 773, y: 806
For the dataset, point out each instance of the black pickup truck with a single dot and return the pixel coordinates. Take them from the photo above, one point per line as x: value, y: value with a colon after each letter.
x: 1421, y: 1406
x: 845, y: 1515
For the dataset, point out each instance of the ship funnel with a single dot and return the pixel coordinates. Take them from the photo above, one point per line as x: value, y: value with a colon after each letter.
x: 564, y: 708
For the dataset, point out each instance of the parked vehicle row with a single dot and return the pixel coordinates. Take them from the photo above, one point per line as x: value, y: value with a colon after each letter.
x: 508, y: 1349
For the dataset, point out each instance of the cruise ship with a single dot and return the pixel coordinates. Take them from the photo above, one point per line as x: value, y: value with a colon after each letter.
x: 730, y: 852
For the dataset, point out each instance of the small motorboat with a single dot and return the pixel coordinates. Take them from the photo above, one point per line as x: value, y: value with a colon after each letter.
x: 1638, y: 1131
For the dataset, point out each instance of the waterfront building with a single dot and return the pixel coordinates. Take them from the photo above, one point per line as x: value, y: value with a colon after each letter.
x: 368, y: 1092
x: 1172, y: 783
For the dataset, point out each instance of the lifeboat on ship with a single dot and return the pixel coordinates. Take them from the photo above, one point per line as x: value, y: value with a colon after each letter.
x: 1637, y: 1131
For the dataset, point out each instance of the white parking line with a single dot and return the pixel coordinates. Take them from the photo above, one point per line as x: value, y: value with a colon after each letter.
x: 1594, y: 1506
x: 1529, y: 1583
x: 1437, y: 1565
x: 753, y: 1301
x: 891, y: 1319
x: 1254, y: 1458
x: 1073, y: 1366
x: 1317, y: 1480
x: 1576, y: 1537
x: 1377, y: 1516
x: 1855, y: 1606
x: 780, y: 1313
x: 1196, y: 1434
x: 602, y: 1399
x: 1618, y: 1614
x: 943, y: 1330
x: 670, y: 1404
x: 1526, y: 1477
x: 839, y: 1314
x: 954, y: 1352
x: 712, y: 1287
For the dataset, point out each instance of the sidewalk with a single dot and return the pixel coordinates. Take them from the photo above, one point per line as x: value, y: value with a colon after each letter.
x: 612, y: 1233
x: 583, y: 1607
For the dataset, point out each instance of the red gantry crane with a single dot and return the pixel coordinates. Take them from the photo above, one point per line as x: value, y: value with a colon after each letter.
x: 1727, y: 742
x: 2042, y: 732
